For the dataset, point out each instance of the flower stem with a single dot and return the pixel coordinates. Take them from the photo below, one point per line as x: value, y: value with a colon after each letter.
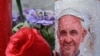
x: 20, y: 10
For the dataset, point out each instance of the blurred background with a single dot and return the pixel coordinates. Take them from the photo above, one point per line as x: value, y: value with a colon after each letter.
x: 40, y: 4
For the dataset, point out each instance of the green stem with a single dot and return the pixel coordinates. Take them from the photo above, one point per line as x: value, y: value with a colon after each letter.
x: 20, y: 10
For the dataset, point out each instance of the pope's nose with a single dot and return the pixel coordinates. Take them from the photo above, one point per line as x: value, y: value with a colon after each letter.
x: 68, y: 38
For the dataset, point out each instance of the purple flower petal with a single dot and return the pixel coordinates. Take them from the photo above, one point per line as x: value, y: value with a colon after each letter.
x: 31, y: 19
x: 45, y: 22
x: 40, y: 14
x: 15, y: 17
x: 49, y: 14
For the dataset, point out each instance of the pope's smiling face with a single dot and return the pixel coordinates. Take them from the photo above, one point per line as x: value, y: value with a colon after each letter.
x: 70, y: 34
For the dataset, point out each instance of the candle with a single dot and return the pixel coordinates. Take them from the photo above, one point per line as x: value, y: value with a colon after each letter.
x: 5, y: 24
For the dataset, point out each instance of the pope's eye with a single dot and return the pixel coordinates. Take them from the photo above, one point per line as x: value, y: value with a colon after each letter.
x: 63, y: 32
x: 73, y: 32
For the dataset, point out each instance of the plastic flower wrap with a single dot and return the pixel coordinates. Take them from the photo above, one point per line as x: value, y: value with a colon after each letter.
x: 43, y: 20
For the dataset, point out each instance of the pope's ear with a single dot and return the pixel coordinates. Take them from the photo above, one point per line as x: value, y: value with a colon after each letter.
x: 84, y: 32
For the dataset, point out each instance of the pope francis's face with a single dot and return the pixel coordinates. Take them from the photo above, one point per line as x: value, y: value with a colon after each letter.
x: 70, y: 34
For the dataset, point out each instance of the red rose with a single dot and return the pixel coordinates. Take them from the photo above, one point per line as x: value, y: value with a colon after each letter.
x: 27, y: 42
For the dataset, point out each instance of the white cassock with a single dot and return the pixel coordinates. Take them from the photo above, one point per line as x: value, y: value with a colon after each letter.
x: 91, y: 44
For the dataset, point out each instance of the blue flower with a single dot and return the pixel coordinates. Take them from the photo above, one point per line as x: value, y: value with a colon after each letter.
x: 15, y: 17
x: 40, y: 14
x: 45, y: 22
x: 37, y: 16
x: 31, y: 19
x: 49, y: 15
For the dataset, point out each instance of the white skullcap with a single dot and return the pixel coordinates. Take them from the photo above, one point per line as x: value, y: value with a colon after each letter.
x: 78, y: 8
x: 83, y: 15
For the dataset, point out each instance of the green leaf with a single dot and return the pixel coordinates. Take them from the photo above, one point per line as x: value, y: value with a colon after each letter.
x: 17, y: 27
x: 49, y: 37
x: 26, y: 24
x: 21, y: 24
